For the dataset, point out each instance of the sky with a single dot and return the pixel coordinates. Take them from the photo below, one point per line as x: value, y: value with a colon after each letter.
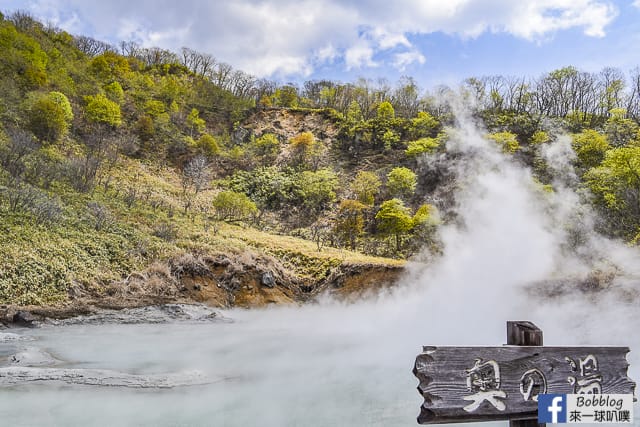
x: 434, y: 41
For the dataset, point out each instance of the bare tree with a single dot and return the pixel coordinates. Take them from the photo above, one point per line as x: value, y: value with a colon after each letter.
x: 92, y: 47
x: 13, y: 156
x: 196, y: 174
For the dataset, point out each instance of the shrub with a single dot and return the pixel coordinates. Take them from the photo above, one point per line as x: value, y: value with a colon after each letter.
x: 365, y: 187
x: 421, y: 146
x: 233, y: 207
x: 50, y: 116
x: 100, y: 109
x: 401, y: 182
x: 506, y: 141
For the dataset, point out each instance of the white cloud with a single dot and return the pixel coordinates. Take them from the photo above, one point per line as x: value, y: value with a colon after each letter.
x: 636, y: 3
x: 284, y: 37
x: 387, y: 39
x: 404, y: 59
x: 327, y: 54
x: 359, y: 55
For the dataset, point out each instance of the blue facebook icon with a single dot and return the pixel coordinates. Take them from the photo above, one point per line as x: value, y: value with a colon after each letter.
x: 552, y: 408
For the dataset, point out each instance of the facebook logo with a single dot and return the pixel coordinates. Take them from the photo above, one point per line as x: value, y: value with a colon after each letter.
x: 552, y: 408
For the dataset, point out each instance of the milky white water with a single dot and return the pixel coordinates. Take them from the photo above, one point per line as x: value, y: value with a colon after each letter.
x: 350, y: 365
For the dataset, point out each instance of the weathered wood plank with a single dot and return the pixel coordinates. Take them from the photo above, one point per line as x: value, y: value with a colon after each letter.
x: 496, y: 383
x: 524, y: 333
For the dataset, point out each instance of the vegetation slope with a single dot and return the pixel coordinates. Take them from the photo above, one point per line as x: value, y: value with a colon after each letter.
x: 133, y: 175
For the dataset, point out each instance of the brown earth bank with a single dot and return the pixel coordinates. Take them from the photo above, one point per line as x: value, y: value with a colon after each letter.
x: 245, y: 280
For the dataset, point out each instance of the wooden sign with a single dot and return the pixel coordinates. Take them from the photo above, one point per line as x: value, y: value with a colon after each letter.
x: 466, y: 384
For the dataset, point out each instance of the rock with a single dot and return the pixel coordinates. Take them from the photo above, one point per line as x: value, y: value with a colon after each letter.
x: 23, y: 318
x: 13, y: 375
x: 8, y: 336
x: 268, y: 280
x: 32, y: 356
x: 167, y: 313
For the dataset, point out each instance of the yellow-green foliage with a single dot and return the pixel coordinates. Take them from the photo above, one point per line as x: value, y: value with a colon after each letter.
x: 38, y: 265
x: 154, y: 108
x: 385, y: 111
x: 401, y: 182
x: 366, y: 186
x: 303, y: 141
x: 100, y: 109
x: 421, y: 146
x: 424, y: 214
x: 302, y: 256
x: 208, y: 145
x: 422, y: 125
x: 110, y: 65
x: 231, y: 206
x: 507, y: 141
x: 540, y: 137
x: 590, y: 147
x: 50, y: 116
x: 114, y: 92
x: 23, y: 58
x: 349, y: 223
x: 267, y: 146
x: 617, y: 179
x: 196, y: 124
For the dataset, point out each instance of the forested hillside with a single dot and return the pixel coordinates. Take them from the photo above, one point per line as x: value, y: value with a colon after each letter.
x: 138, y: 174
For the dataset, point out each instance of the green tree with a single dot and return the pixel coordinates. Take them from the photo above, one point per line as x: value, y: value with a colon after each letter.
x: 366, y: 186
x: 540, y: 137
x: 100, y: 109
x: 394, y: 219
x: 617, y: 179
x: 423, y: 125
x: 230, y: 206
x: 23, y: 59
x: 270, y: 187
x: 354, y: 113
x: 155, y: 108
x: 389, y: 139
x: 287, y: 96
x: 306, y: 150
x: 385, y: 111
x: 63, y: 102
x: 506, y: 140
x: 590, y: 147
x: 401, y: 182
x: 267, y: 147
x: 114, y: 92
x: 195, y: 123
x: 349, y: 222
x: 317, y: 189
x: 50, y: 116
x: 110, y: 65
x: 208, y: 145
x: 620, y: 130
x: 616, y: 186
x: 421, y: 146
x: 144, y: 128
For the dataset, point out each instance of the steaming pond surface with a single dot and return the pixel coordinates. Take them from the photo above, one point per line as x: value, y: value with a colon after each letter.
x: 264, y: 368
x: 276, y: 378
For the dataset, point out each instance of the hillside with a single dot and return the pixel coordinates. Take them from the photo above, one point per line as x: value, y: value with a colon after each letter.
x: 132, y: 176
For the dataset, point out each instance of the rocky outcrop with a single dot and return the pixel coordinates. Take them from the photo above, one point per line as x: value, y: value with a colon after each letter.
x: 10, y: 376
x: 167, y: 291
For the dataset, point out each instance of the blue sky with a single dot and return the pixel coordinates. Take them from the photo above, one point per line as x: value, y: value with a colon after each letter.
x: 434, y: 41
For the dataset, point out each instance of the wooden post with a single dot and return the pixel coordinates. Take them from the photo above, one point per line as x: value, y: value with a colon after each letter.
x: 524, y: 333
